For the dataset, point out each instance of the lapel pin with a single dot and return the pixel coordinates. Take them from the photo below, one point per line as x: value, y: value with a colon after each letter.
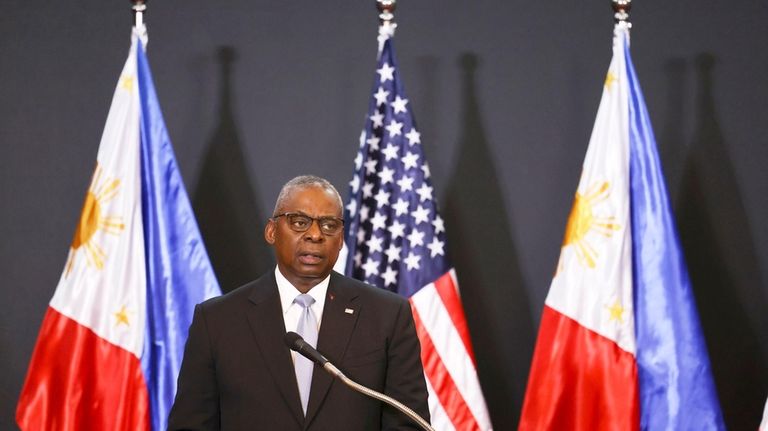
x: 349, y: 311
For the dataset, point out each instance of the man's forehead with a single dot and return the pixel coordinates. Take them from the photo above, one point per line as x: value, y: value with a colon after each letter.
x: 310, y: 195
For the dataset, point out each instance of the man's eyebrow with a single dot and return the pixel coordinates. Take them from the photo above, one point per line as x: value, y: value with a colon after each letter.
x: 318, y: 217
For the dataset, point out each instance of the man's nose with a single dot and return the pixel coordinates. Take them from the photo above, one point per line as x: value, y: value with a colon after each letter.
x: 314, y: 233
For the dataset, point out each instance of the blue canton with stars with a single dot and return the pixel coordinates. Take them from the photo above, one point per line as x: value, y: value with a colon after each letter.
x: 395, y: 237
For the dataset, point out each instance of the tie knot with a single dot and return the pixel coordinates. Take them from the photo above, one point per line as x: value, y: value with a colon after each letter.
x: 304, y: 300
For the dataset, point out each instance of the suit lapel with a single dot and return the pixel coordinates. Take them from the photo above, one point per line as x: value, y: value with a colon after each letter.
x: 268, y: 327
x: 339, y: 317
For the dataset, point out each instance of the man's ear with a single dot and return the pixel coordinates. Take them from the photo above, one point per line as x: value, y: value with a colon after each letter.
x: 269, y: 231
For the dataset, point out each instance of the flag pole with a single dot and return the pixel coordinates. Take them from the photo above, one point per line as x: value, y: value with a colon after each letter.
x: 387, y: 23
x: 621, y: 11
x: 386, y: 9
x: 138, y: 8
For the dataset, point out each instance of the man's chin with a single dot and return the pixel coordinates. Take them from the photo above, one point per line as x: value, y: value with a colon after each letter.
x: 312, y: 272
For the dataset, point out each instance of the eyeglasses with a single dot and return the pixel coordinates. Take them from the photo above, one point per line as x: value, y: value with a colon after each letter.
x: 301, y: 223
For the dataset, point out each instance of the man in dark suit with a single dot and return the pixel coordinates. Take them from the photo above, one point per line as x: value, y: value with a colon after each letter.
x: 237, y: 373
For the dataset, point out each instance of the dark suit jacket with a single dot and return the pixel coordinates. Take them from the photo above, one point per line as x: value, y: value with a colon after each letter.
x: 237, y: 373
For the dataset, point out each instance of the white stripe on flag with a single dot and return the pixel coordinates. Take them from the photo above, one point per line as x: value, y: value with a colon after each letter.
x: 450, y: 348
x: 438, y: 418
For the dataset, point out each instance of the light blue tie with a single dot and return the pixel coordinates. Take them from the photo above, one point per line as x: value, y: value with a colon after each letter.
x: 307, y: 328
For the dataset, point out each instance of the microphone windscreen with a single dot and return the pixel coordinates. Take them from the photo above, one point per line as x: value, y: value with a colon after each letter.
x: 293, y: 340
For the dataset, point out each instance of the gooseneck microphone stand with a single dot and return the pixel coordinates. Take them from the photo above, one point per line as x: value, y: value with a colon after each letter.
x: 297, y: 344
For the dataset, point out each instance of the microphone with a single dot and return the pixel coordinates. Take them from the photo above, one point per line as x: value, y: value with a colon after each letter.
x: 298, y: 345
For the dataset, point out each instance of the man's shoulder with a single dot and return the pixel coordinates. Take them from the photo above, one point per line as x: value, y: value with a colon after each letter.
x: 242, y: 294
x: 367, y: 291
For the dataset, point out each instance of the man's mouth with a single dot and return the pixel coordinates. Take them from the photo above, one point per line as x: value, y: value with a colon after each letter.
x: 310, y: 258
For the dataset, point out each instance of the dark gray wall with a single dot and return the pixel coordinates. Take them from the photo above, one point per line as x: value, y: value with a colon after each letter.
x: 505, y: 93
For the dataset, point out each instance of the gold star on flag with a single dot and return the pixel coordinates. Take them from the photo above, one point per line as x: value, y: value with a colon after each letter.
x: 122, y: 316
x: 610, y: 78
x: 617, y: 312
x: 126, y: 82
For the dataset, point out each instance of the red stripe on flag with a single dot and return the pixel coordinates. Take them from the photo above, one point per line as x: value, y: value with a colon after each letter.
x: 79, y: 381
x: 450, y: 297
x: 445, y: 388
x: 579, y: 380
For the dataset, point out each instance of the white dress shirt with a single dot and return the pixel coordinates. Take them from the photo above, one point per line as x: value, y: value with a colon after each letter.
x: 291, y: 310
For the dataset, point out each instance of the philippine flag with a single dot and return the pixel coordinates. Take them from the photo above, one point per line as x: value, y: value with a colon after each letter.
x: 620, y: 346
x: 112, y: 339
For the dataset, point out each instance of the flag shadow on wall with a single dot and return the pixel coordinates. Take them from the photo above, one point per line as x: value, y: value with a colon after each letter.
x: 722, y: 262
x: 225, y: 201
x: 671, y: 143
x: 485, y: 255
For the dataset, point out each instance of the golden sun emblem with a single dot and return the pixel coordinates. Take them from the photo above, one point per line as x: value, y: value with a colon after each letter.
x: 583, y: 220
x: 93, y: 220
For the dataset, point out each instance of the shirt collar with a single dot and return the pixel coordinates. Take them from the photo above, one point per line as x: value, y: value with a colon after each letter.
x: 288, y: 292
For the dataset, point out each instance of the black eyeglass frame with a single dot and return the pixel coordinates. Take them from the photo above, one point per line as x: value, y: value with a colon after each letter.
x: 312, y: 220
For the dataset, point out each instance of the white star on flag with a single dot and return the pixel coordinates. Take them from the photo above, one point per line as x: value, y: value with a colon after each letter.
x: 364, y: 214
x: 416, y: 238
x: 377, y: 119
x: 393, y: 252
x: 413, y: 136
x: 421, y: 215
x: 405, y: 183
x: 370, y: 166
x: 425, y: 169
x: 425, y: 192
x: 371, y: 267
x: 373, y: 143
x: 379, y: 221
x: 390, y: 152
x: 381, y: 96
x: 367, y: 189
x: 410, y: 160
x: 389, y: 276
x: 436, y: 247
x: 401, y: 207
x: 361, y: 142
x: 412, y: 261
x: 438, y: 224
x: 382, y: 198
x: 386, y: 175
x: 386, y: 72
x: 355, y: 183
x: 374, y: 243
x: 399, y: 104
x: 395, y: 128
x: 397, y: 230
x: 352, y: 207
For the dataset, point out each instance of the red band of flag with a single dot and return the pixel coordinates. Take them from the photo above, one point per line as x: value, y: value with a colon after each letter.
x: 63, y: 393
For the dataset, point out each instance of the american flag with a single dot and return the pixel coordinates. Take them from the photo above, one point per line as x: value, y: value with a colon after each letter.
x: 396, y: 240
